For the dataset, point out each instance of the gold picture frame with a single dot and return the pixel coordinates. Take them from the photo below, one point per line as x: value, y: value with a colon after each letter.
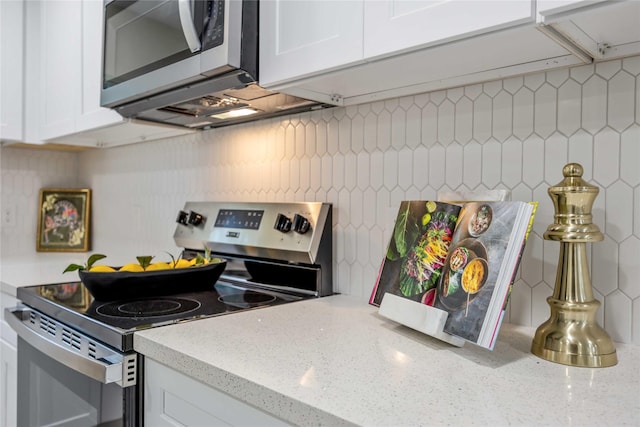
x: 64, y: 220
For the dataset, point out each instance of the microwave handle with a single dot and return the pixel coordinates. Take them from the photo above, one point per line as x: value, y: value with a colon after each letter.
x: 188, y: 26
x: 116, y: 371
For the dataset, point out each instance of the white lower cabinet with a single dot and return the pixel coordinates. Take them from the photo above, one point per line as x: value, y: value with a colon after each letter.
x: 174, y: 399
x: 8, y: 367
x: 9, y: 384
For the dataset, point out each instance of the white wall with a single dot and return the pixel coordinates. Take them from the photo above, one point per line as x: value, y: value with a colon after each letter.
x: 516, y: 133
x: 23, y: 173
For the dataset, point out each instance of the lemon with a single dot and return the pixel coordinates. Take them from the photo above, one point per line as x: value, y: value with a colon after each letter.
x: 158, y: 266
x: 182, y: 263
x: 102, y: 269
x: 426, y: 218
x: 431, y: 206
x: 131, y: 268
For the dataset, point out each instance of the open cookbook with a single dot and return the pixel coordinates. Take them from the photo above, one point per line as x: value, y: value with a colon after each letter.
x: 461, y: 259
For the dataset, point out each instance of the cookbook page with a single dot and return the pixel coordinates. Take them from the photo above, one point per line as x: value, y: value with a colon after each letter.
x: 481, y: 263
x: 417, y: 251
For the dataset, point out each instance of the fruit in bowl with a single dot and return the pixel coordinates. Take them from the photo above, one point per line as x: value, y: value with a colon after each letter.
x: 146, y: 279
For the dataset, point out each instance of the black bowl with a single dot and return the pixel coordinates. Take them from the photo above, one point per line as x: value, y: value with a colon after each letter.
x: 106, y: 286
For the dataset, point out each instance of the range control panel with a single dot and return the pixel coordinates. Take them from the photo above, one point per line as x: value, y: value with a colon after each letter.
x: 239, y: 218
x: 286, y: 231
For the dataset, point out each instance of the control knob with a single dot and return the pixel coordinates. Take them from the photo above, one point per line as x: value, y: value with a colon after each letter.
x: 300, y: 224
x: 283, y: 223
x: 195, y: 218
x: 182, y: 218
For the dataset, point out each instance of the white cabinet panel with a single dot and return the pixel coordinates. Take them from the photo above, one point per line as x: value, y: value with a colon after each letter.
x: 11, y: 69
x: 301, y: 38
x: 9, y: 384
x: 393, y: 26
x: 439, y: 67
x: 69, y: 70
x: 8, y: 366
x: 70, y: 60
x: 60, y: 47
x: 604, y: 30
x: 90, y: 114
x: 173, y: 399
x: 554, y: 6
x: 408, y: 47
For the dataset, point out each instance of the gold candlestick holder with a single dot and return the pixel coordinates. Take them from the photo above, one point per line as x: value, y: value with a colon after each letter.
x: 571, y: 335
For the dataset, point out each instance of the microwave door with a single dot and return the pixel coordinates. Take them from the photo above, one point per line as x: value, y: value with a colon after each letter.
x: 150, y: 46
x: 225, y: 37
x: 169, y: 77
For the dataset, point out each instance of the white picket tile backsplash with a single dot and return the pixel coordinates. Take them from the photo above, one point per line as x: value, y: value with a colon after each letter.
x: 515, y: 133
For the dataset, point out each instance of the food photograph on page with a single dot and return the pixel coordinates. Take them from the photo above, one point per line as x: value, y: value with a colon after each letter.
x: 461, y: 259
x: 417, y: 251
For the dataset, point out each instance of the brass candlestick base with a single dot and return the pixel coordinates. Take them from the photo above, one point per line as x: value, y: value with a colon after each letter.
x: 572, y: 335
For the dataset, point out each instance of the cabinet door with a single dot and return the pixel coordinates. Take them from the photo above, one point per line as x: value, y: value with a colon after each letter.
x: 8, y: 384
x: 60, y: 42
x: 173, y: 399
x: 393, y: 26
x: 8, y: 364
x: 554, y: 6
x: 90, y: 114
x: 605, y: 30
x: 11, y: 69
x: 302, y: 38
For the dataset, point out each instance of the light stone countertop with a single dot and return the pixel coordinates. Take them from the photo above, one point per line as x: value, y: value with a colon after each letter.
x: 37, y: 270
x: 335, y: 361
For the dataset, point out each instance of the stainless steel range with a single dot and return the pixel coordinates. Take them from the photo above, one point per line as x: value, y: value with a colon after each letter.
x: 76, y: 363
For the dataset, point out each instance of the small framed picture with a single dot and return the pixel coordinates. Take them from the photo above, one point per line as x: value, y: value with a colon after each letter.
x: 64, y: 220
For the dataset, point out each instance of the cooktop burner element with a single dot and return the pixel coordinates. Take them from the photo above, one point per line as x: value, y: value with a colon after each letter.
x: 148, y: 307
x: 246, y: 299
x: 116, y: 321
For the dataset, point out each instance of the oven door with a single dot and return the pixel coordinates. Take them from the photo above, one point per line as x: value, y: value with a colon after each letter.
x: 151, y: 46
x: 58, y: 385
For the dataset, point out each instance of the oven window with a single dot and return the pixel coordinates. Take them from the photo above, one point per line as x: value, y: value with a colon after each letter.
x: 145, y: 35
x: 50, y: 393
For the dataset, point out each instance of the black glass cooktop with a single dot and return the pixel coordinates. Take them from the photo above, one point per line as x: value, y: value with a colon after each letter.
x: 114, y: 322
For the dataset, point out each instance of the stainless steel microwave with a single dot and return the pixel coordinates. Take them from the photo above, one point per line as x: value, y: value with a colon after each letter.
x: 151, y: 46
x: 190, y: 63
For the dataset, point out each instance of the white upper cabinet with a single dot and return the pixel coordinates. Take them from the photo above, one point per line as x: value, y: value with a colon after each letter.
x: 410, y: 47
x: 90, y: 114
x: 11, y: 70
x: 414, y: 46
x: 60, y: 73
x: 602, y: 29
x: 55, y: 98
x: 301, y: 38
x: 394, y: 26
x: 558, y: 6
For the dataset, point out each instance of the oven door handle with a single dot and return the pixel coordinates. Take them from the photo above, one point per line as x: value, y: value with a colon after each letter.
x: 110, y: 368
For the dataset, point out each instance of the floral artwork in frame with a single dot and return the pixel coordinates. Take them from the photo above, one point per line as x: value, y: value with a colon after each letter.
x: 64, y: 220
